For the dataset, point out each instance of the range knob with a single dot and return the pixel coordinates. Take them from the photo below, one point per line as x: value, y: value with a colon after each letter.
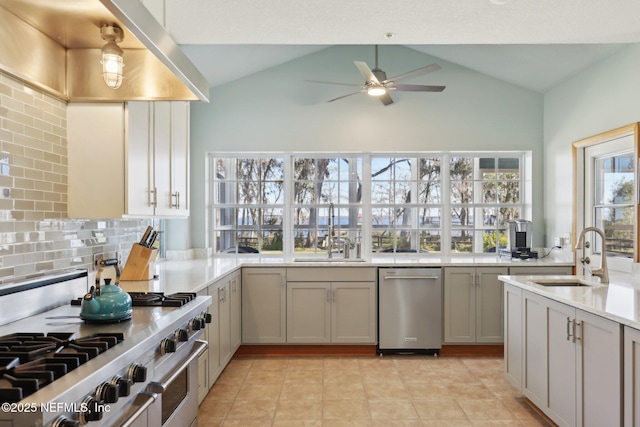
x: 107, y: 393
x: 63, y: 421
x: 137, y: 373
x: 206, y: 316
x: 168, y: 345
x: 181, y: 335
x: 123, y: 385
x: 195, y: 324
x: 91, y: 410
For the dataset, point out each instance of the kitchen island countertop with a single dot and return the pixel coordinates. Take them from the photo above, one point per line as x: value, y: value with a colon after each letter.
x: 617, y: 301
x: 197, y: 274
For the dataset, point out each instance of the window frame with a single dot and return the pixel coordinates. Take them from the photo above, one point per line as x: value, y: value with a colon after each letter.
x: 366, y: 204
x: 580, y: 210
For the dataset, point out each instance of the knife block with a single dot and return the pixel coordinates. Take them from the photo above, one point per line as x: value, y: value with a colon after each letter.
x: 140, y: 264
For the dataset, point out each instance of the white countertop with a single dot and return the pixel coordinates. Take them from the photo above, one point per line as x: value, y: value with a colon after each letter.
x: 618, y: 301
x: 197, y: 274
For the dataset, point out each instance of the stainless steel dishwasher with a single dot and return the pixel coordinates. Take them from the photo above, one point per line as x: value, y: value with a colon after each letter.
x: 409, y: 310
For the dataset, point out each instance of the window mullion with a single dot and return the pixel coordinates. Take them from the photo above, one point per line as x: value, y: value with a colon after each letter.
x: 446, y: 204
x: 287, y: 214
x: 366, y: 203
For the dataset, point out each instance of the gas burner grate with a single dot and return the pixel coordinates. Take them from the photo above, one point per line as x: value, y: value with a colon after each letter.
x: 29, y: 361
x: 159, y: 299
x: 153, y: 299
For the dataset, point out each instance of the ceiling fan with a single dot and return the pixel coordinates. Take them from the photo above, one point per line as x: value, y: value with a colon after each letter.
x: 377, y: 84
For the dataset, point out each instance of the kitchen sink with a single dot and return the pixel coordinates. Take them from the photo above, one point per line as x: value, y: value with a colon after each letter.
x: 561, y: 282
x: 331, y: 260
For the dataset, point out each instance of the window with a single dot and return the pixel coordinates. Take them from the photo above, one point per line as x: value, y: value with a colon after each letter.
x: 401, y: 222
x: 393, y: 204
x: 248, y: 205
x: 606, y: 195
x: 320, y: 184
x: 484, y: 194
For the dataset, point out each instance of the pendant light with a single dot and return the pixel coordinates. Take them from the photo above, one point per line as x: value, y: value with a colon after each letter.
x: 112, y: 56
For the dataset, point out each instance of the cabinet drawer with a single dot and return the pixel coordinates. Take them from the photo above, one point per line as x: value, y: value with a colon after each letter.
x: 331, y: 274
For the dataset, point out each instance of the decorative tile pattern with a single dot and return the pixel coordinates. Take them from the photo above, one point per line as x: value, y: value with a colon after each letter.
x: 390, y: 391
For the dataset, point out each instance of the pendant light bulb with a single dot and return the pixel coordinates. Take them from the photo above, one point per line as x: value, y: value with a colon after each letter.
x: 112, y: 56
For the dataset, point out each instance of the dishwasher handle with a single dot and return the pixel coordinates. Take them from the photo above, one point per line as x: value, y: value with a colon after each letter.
x: 412, y: 277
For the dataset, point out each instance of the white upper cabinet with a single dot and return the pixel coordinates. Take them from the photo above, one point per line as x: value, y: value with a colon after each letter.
x: 129, y: 159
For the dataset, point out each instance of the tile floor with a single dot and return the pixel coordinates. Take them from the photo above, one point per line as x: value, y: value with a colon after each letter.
x: 352, y: 392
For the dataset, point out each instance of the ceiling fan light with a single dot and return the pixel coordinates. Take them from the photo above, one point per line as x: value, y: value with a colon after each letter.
x: 376, y: 90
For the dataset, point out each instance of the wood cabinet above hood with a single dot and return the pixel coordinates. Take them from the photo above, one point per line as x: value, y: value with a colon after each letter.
x: 56, y: 46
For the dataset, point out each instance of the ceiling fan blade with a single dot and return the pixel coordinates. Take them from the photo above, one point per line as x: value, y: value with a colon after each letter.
x: 366, y: 72
x: 418, y: 88
x: 414, y: 73
x: 344, y: 96
x: 386, y: 99
x: 334, y: 83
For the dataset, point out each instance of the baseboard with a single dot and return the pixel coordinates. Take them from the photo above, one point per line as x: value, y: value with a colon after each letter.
x: 266, y: 350
x: 320, y: 350
x: 539, y: 412
x: 472, y: 350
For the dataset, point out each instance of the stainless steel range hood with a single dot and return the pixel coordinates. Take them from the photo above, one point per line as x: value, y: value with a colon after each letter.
x: 55, y: 45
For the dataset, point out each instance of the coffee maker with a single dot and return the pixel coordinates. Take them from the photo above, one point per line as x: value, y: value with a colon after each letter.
x: 519, y: 238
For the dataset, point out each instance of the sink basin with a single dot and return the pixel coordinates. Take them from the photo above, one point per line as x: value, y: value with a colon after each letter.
x: 560, y: 282
x: 332, y: 260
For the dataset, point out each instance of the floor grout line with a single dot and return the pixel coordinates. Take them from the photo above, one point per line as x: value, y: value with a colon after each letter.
x: 457, y: 379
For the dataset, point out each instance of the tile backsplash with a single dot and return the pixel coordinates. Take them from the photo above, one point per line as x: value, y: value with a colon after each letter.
x: 36, y: 235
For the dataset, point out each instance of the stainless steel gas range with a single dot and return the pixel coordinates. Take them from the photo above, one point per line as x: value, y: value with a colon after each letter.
x: 58, y: 370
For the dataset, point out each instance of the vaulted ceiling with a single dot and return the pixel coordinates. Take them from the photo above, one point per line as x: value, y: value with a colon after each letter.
x: 535, y: 44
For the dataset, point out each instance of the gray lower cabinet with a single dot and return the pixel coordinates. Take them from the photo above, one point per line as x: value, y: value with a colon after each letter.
x: 221, y: 294
x: 513, y: 334
x: 264, y: 305
x: 225, y: 322
x: 572, y: 363
x: 331, y: 305
x: 235, y: 308
x: 473, y: 307
x: 631, y: 377
x: 331, y: 312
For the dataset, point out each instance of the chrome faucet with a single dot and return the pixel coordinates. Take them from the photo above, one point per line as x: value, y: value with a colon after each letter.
x: 332, y: 230
x: 601, y: 272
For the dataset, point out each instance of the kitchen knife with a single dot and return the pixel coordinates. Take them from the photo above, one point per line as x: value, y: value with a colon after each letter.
x: 145, y: 236
x: 147, y: 243
x: 152, y: 239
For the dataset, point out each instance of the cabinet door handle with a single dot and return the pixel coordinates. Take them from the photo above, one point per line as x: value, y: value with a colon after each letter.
x: 569, y: 328
x: 154, y: 197
x: 478, y: 279
x: 177, y: 197
x: 576, y: 324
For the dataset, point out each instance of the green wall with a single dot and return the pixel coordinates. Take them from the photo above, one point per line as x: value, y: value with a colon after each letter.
x: 277, y: 111
x: 601, y: 98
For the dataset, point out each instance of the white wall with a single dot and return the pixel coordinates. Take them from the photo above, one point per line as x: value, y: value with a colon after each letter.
x: 602, y: 98
x: 277, y: 111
